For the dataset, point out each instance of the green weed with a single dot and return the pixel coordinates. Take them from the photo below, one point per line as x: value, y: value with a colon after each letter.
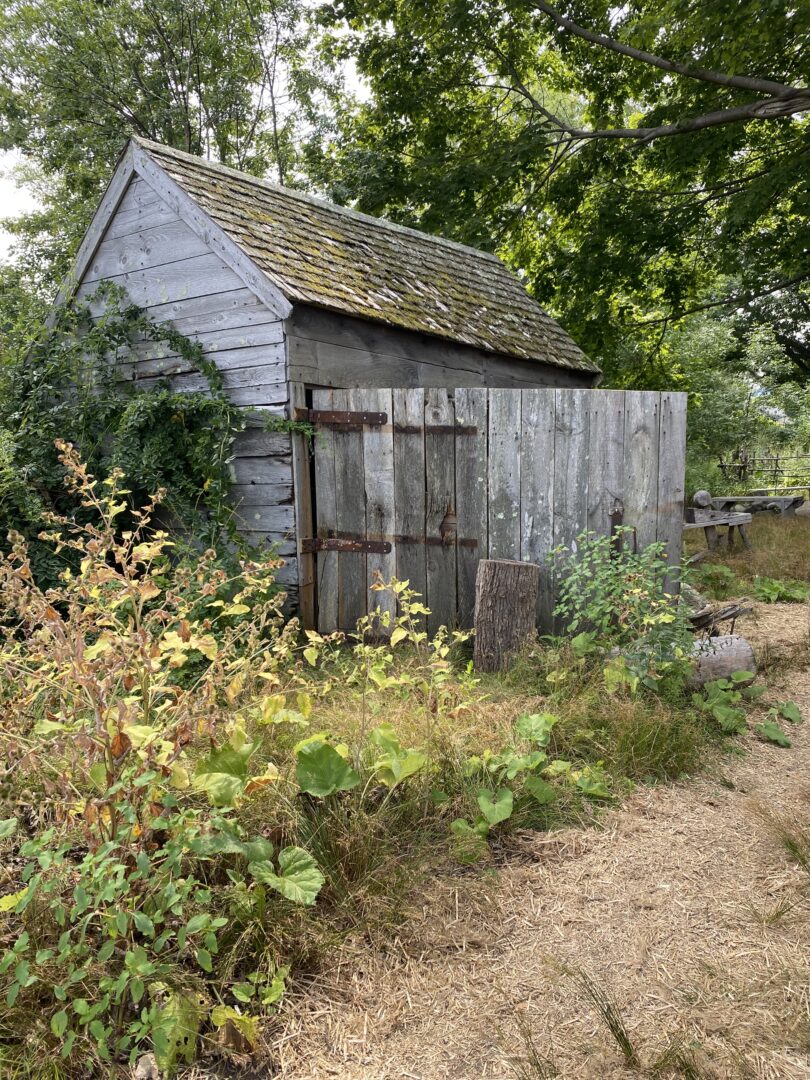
x: 610, y: 1015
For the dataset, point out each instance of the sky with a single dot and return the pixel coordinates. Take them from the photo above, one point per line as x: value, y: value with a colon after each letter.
x: 13, y: 200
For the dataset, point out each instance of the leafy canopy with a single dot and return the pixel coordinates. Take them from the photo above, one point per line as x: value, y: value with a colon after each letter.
x: 630, y: 160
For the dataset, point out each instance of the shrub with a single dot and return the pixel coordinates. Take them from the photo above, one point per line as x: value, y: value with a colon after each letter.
x: 615, y: 596
x: 118, y: 690
x: 60, y: 383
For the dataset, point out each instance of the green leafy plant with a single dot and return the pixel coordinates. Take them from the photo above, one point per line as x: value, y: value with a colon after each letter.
x: 773, y: 591
x: 718, y: 580
x: 123, y: 687
x: 62, y: 387
x: 620, y: 597
x: 722, y: 700
x: 788, y: 710
x: 770, y: 731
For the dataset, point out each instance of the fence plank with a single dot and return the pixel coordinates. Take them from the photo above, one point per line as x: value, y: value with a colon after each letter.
x: 440, y: 510
x: 671, y: 477
x: 350, y: 498
x: 571, y: 446
x: 504, y: 474
x: 326, y: 514
x: 641, y: 433
x: 605, y: 459
x: 471, y: 495
x: 537, y: 493
x: 409, y: 488
x: 378, y: 458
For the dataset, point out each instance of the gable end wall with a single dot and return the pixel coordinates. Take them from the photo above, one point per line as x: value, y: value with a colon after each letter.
x: 176, y: 277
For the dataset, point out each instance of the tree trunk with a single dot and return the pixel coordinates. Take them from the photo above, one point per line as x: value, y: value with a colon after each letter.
x: 505, y: 610
x: 719, y: 657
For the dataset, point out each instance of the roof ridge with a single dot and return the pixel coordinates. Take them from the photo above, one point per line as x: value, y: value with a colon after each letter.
x: 304, y: 196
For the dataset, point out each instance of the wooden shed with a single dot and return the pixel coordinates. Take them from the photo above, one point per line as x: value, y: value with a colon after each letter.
x: 289, y: 294
x: 454, y: 419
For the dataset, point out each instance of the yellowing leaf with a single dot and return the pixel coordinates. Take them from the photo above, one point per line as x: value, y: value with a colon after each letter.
x: 271, y: 706
x: 141, y: 735
x: 398, y: 634
x: 304, y: 703
x: 103, y: 645
x: 206, y: 644
x: 235, y: 687
x: 148, y: 590
x: 269, y: 776
x: 180, y: 778
x: 10, y: 900
x: 236, y: 609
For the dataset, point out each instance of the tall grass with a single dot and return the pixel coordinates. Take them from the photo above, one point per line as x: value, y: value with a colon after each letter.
x: 780, y: 549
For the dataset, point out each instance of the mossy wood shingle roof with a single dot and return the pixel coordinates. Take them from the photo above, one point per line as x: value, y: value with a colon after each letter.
x: 331, y: 257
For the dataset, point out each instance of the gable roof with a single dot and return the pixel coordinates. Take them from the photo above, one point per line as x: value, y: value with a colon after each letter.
x: 313, y: 252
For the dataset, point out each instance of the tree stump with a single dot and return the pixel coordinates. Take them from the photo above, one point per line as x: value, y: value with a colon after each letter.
x: 719, y: 657
x: 505, y: 610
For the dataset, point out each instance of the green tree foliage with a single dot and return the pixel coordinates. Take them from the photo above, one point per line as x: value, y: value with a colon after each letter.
x: 630, y: 160
x: 238, y: 80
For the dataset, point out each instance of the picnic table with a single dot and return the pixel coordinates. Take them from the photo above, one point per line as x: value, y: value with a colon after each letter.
x: 760, y: 501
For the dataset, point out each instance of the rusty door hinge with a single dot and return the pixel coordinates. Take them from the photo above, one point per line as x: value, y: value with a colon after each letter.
x: 341, y: 418
x: 435, y: 429
x: 335, y: 543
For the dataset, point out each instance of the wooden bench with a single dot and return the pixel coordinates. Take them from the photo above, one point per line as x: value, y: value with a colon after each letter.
x: 703, y: 515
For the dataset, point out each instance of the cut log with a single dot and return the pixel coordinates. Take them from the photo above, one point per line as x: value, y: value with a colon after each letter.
x: 505, y: 610
x: 719, y: 657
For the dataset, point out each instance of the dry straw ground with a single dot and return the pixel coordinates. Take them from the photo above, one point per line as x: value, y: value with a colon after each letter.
x: 682, y: 906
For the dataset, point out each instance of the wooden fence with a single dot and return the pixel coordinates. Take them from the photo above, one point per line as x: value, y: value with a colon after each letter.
x: 429, y: 481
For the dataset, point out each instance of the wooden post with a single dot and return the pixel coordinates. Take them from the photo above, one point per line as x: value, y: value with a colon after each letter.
x: 505, y: 607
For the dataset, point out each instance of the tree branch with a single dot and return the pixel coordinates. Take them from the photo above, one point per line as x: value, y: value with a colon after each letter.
x: 732, y: 301
x: 765, y: 109
x: 741, y: 82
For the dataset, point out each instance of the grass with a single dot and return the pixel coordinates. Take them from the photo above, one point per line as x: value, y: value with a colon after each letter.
x: 534, y: 1063
x: 780, y: 551
x: 610, y: 1015
x: 424, y: 769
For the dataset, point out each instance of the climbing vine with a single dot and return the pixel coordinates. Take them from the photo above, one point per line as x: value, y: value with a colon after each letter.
x: 60, y: 382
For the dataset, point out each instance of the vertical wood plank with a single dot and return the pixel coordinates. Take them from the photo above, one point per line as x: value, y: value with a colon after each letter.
x: 350, y: 498
x: 641, y: 428
x: 671, y: 479
x: 378, y: 459
x: 571, y: 446
x: 440, y: 510
x: 504, y: 474
x: 537, y: 493
x: 304, y: 519
x: 409, y: 488
x: 471, y: 495
x: 606, y: 458
x: 325, y: 517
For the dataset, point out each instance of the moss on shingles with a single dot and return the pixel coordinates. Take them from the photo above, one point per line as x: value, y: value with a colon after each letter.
x: 335, y: 258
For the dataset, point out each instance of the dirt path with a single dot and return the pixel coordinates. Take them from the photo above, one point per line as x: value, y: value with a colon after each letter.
x: 673, y: 908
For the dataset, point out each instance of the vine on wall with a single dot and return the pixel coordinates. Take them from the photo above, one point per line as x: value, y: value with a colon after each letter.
x: 60, y: 383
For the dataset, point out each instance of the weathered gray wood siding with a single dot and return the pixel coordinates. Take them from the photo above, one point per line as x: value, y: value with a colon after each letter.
x: 330, y: 350
x: 454, y: 476
x: 175, y: 276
